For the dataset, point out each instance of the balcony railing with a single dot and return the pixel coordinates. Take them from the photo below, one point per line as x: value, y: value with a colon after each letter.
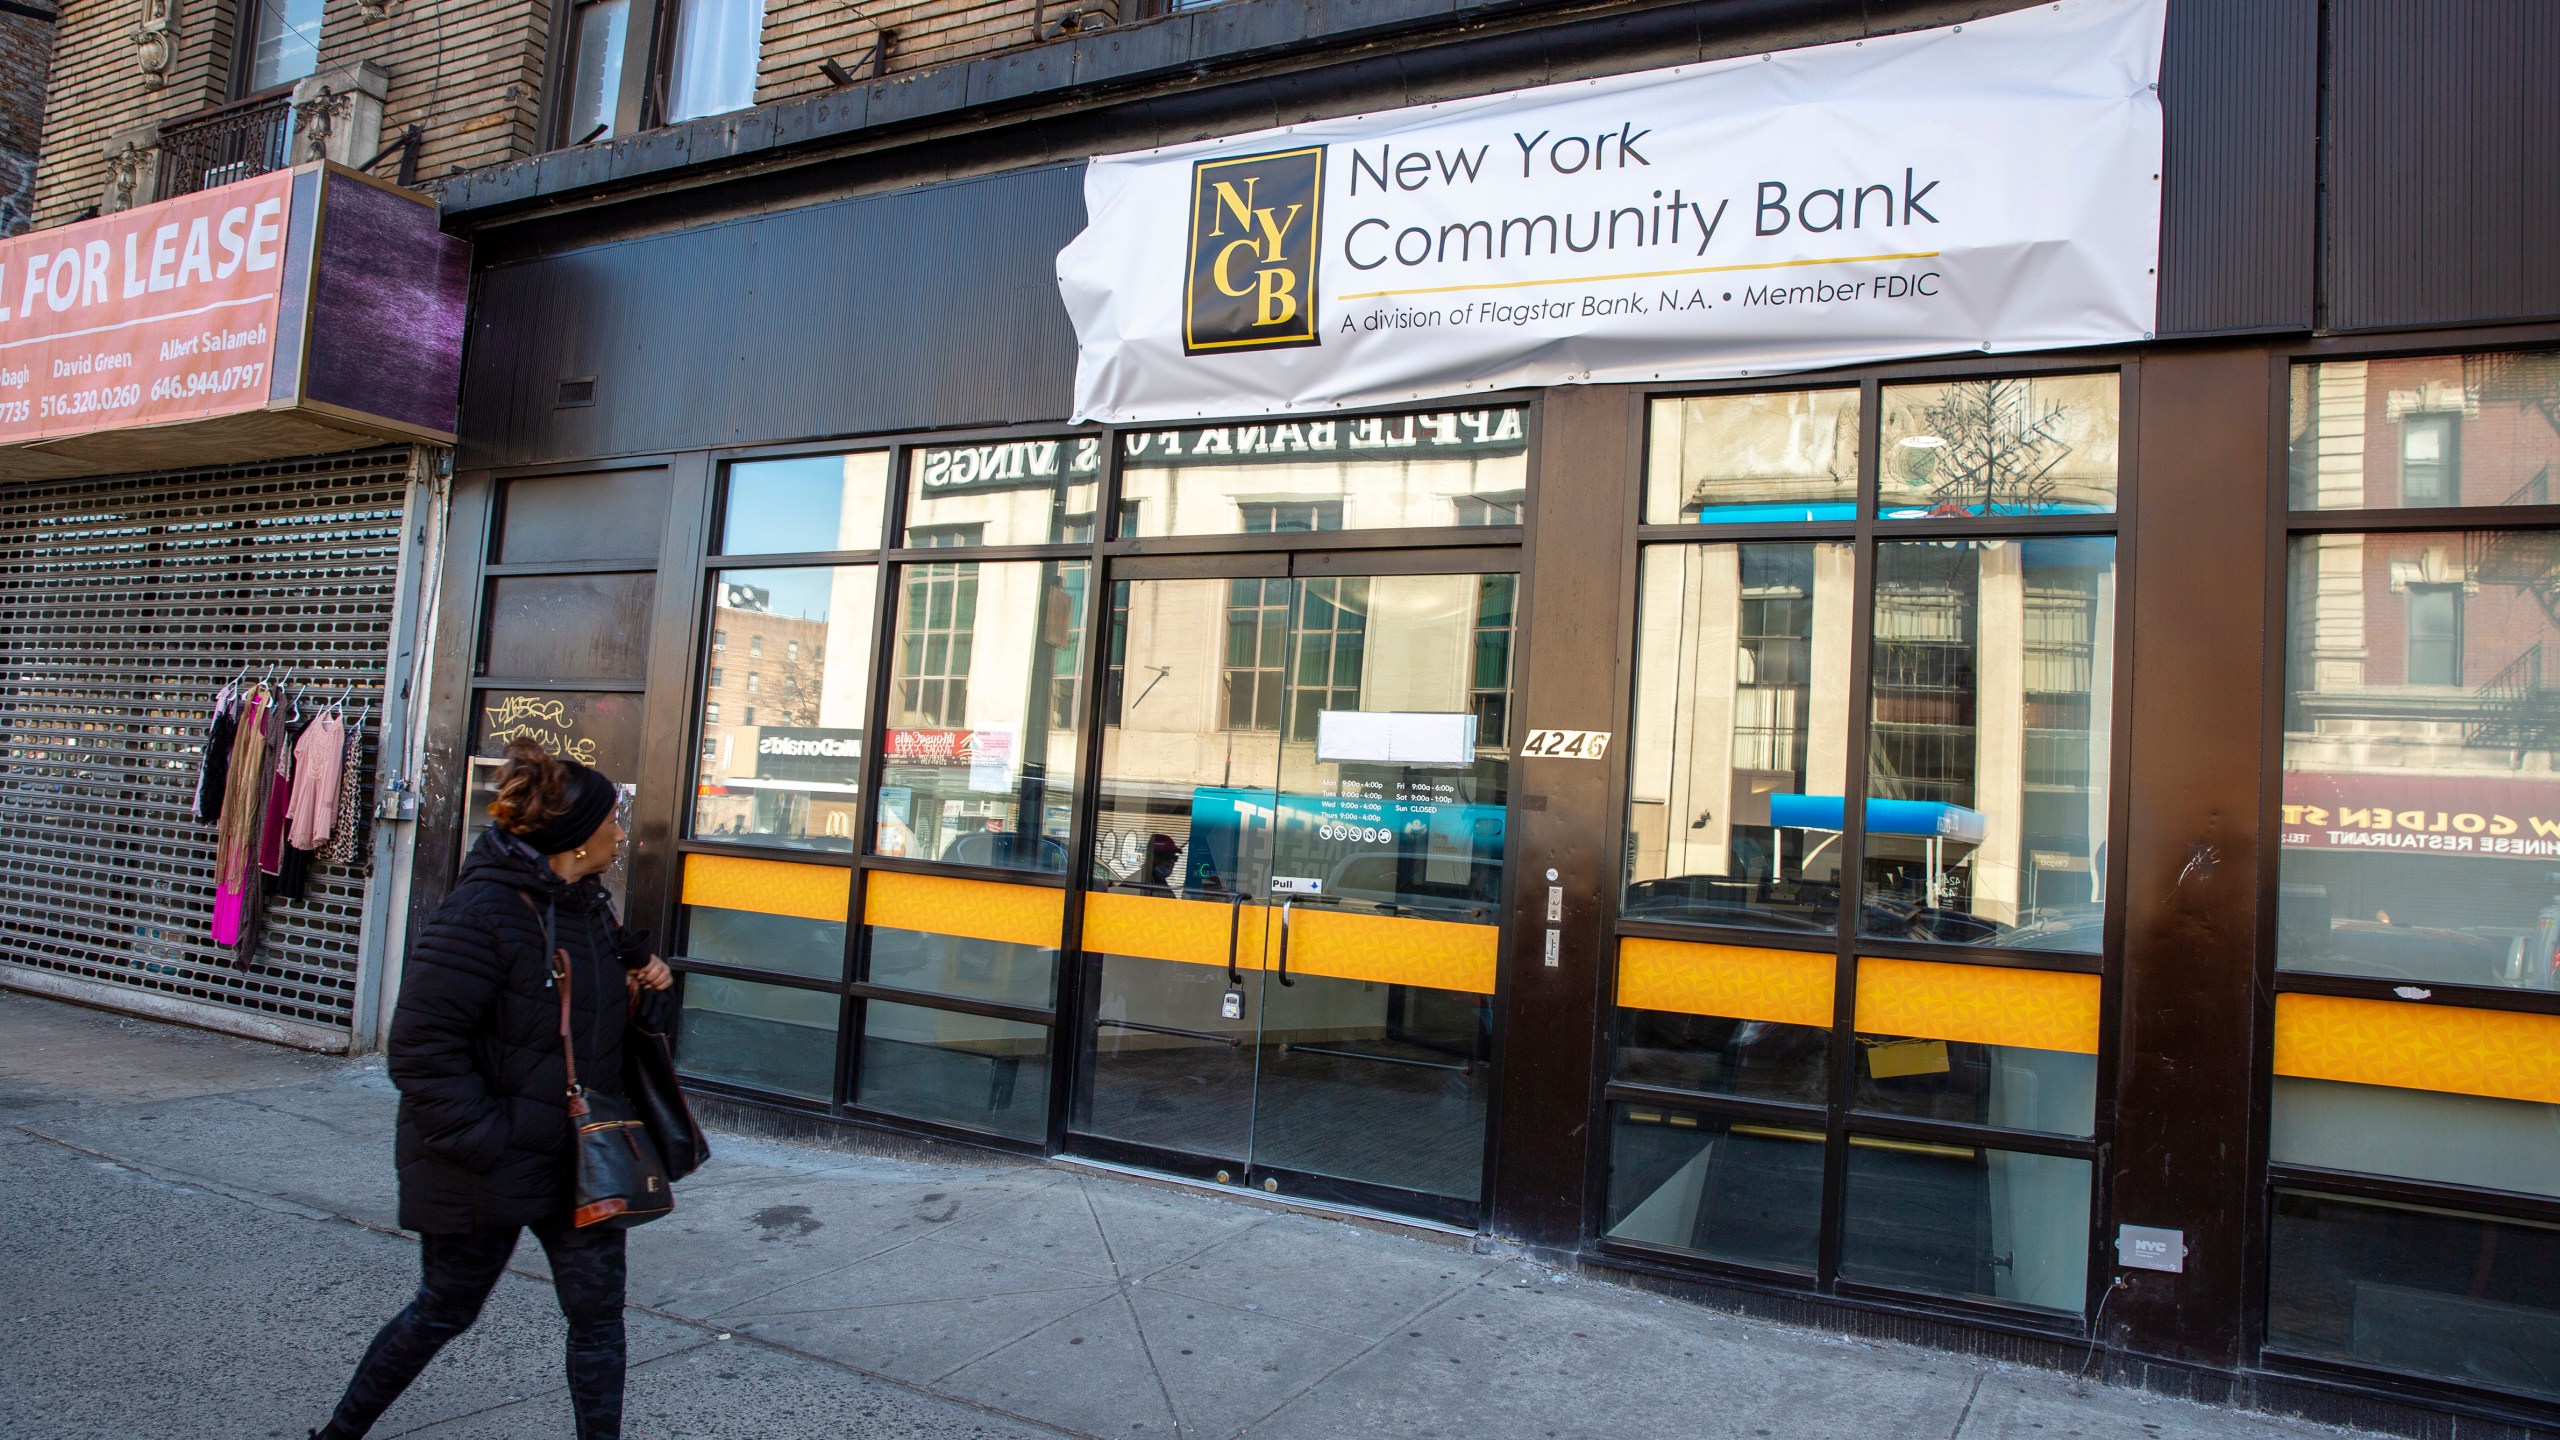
x: 220, y: 146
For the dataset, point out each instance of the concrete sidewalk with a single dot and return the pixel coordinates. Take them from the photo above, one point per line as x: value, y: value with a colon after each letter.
x: 202, y: 1243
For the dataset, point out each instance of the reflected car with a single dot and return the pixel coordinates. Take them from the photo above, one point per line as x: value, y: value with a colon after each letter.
x: 2411, y: 952
x: 1398, y: 881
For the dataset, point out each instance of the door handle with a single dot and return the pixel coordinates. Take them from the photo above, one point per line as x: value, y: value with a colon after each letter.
x: 1235, y: 922
x: 1284, y: 942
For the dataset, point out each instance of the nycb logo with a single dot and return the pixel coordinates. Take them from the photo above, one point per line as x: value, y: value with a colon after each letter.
x: 1254, y: 225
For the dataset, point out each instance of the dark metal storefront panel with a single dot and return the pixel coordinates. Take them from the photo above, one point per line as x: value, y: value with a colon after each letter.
x: 918, y: 309
x: 2444, y: 202
x: 2239, y: 92
x: 124, y: 605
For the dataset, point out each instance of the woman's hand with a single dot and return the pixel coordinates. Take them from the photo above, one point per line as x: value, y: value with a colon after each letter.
x: 655, y: 975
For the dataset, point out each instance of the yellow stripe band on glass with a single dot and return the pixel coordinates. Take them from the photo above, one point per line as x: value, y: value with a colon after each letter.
x: 2500, y: 1053
x: 1160, y: 927
x: 1979, y: 1004
x: 768, y: 887
x: 972, y: 909
x: 1393, y: 949
x: 1784, y: 987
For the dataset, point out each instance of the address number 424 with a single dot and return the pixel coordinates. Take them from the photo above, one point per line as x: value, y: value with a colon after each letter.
x: 1566, y: 744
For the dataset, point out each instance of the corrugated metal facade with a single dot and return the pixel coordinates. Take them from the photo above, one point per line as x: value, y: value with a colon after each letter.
x: 2240, y: 88
x: 2443, y: 162
x: 920, y: 308
x: 124, y: 605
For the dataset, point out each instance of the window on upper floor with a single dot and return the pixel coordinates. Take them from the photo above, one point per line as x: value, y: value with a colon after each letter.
x: 713, y: 68
x: 595, y: 60
x: 280, y: 43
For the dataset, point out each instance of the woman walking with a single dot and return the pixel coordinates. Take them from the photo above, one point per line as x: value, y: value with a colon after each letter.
x: 485, y: 1146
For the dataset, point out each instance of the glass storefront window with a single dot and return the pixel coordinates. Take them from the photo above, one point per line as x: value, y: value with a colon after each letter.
x: 784, y: 695
x: 2016, y: 445
x: 1991, y: 687
x: 2425, y: 431
x: 806, y: 502
x: 1749, y: 1192
x: 1742, y: 710
x: 968, y: 1070
x: 770, y: 1037
x: 1004, y: 492
x: 2482, y: 1141
x: 569, y: 627
x: 766, y: 914
x: 1727, y: 459
x: 1725, y: 1020
x: 983, y: 713
x: 1978, y: 1044
x: 2421, y: 812
x: 964, y: 966
x: 1967, y: 1221
x: 2419, y: 1289
x: 1451, y: 468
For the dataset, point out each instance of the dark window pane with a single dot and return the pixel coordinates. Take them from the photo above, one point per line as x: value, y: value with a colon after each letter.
x: 598, y: 729
x: 2479, y: 1140
x: 1749, y: 1192
x: 2427, y: 1291
x: 968, y: 1070
x: 785, y: 944
x: 808, y: 502
x: 2005, y: 1085
x: 765, y: 1036
x: 1720, y: 1055
x: 615, y: 515
x: 972, y: 969
x: 569, y: 627
x: 1962, y: 1220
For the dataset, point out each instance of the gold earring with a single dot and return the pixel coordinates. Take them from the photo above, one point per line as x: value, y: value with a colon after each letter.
x: 581, y: 855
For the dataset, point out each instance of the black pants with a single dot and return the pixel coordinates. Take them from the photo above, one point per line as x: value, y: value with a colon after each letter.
x: 459, y: 1272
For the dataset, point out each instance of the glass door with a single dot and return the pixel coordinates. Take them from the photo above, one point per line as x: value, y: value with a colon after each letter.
x: 1293, y: 926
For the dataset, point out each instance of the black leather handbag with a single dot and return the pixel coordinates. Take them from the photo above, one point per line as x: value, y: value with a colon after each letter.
x: 621, y: 1180
x: 649, y: 1079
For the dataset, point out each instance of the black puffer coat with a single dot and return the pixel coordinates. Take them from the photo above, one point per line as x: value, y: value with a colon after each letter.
x: 475, y: 1044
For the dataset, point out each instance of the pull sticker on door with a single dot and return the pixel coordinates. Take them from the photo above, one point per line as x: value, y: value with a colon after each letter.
x: 1566, y: 744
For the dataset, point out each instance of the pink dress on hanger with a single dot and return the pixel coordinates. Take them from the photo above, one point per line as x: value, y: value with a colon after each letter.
x: 236, y: 841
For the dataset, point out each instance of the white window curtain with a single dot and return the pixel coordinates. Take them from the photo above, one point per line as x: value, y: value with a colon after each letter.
x: 715, y: 60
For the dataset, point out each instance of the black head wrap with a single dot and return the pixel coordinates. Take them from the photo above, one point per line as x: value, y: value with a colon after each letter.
x: 588, y: 797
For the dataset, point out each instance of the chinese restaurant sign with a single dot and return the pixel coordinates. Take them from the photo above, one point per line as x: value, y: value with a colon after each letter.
x: 1991, y: 186
x: 290, y: 313
x: 2477, y: 815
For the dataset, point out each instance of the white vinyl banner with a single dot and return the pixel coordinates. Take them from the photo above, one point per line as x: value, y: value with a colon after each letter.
x: 1991, y: 186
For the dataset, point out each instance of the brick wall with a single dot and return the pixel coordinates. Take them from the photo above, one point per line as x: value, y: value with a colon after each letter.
x: 96, y: 89
x: 469, y: 71
x: 26, y: 51
x: 800, y: 33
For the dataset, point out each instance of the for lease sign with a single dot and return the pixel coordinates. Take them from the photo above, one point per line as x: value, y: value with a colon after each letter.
x: 158, y: 314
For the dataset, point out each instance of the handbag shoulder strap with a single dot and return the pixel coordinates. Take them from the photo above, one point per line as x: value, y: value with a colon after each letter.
x: 558, y: 959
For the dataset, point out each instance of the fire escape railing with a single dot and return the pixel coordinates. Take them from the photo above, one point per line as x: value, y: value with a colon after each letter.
x: 220, y: 146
